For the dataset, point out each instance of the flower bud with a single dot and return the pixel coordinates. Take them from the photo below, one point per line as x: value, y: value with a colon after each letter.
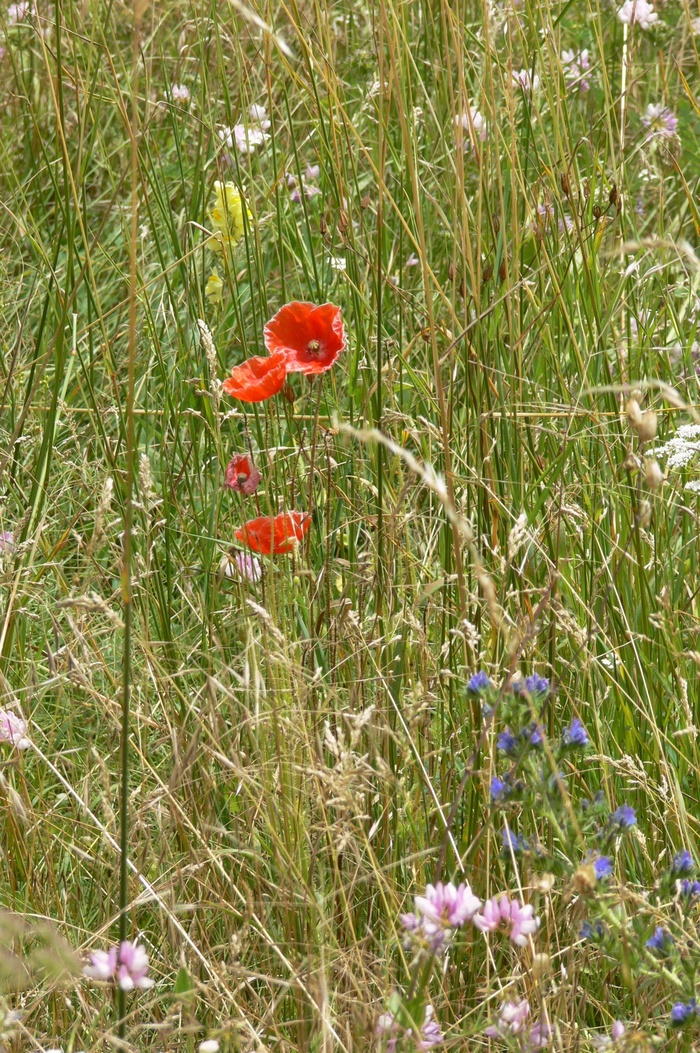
x: 646, y: 429
x: 653, y: 474
x: 644, y: 514
x: 634, y: 413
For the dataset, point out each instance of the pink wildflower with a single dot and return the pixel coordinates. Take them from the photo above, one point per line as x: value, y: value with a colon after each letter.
x: 133, y: 967
x: 180, y: 92
x: 103, y: 964
x: 506, y: 911
x: 447, y: 907
x: 638, y: 12
x: 661, y: 122
x: 127, y: 963
x: 7, y: 540
x: 13, y: 729
x: 512, y: 1019
x: 430, y: 1033
x: 523, y: 79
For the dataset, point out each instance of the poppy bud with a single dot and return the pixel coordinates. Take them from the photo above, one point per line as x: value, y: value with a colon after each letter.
x: 597, y: 212
x: 644, y: 513
x: 565, y: 184
x: 288, y: 392
x: 653, y: 474
x: 634, y: 413
x: 612, y: 196
x: 502, y: 271
x: 646, y: 429
x: 496, y: 224
x: 487, y: 273
x: 322, y: 225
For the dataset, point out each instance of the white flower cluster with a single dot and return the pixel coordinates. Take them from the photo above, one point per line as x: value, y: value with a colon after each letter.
x: 681, y: 450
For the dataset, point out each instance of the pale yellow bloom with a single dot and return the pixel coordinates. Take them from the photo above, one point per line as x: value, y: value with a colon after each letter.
x: 226, y: 217
x: 215, y: 287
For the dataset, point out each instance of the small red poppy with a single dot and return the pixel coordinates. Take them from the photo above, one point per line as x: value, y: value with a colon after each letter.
x: 242, y: 475
x: 274, y: 535
x: 311, y: 337
x: 257, y: 378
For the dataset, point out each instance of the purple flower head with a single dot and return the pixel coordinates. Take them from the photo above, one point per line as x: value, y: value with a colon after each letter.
x: 617, y: 1031
x: 681, y: 1012
x: 447, y: 907
x: 531, y: 685
x: 430, y: 1033
x: 575, y: 734
x: 246, y: 566
x: 603, y: 867
x: 478, y: 683
x: 534, y: 734
x: 661, y: 122
x: 690, y: 889
x: 7, y: 540
x: 624, y: 817
x: 661, y: 941
x: 507, y: 742
x: 683, y: 863
x: 513, y: 843
x: 410, y: 922
x: 540, y: 1036
x: 574, y: 64
x: 592, y: 930
x: 499, y: 789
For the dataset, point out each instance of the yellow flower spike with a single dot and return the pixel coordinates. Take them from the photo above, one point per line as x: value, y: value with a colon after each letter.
x: 226, y: 217
x: 215, y: 288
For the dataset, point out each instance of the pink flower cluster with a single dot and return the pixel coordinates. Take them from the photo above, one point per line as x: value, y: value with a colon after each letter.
x: 504, y: 911
x: 13, y: 729
x: 391, y: 1031
x: 444, y: 908
x: 128, y: 964
x: 513, y: 1020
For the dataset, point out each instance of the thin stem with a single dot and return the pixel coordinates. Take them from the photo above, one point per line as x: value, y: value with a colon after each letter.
x: 128, y: 518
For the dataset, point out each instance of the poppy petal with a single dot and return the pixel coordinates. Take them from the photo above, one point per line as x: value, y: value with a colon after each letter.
x: 258, y: 378
x: 274, y: 536
x: 311, y: 337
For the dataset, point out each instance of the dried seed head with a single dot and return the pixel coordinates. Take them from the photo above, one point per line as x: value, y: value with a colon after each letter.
x: 496, y: 224
x: 584, y: 879
x: 565, y: 184
x: 646, y: 429
x: 653, y: 474
x: 597, y: 212
x: 541, y: 966
x: 612, y: 196
x: 634, y: 413
x: 487, y: 273
x: 502, y: 271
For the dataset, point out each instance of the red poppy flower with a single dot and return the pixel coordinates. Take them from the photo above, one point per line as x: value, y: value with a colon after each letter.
x: 311, y: 337
x: 257, y: 378
x: 242, y: 475
x: 278, y: 534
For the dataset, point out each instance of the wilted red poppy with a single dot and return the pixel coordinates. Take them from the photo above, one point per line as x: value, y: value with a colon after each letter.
x: 242, y: 475
x: 257, y: 378
x: 278, y: 534
x: 310, y: 337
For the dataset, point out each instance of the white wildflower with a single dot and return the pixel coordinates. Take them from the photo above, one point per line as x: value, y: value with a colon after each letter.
x: 638, y: 12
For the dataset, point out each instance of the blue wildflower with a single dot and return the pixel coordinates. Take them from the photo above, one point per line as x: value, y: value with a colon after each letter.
x: 681, y: 1012
x: 514, y: 843
x: 575, y: 734
x: 533, y: 733
x: 690, y: 889
x: 603, y: 867
x: 499, y: 789
x: 507, y: 741
x: 624, y: 817
x: 478, y: 683
x: 536, y: 685
x: 661, y: 941
x: 683, y: 863
x: 592, y: 930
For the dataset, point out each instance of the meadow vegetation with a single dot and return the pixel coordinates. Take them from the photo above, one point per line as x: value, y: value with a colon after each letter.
x: 426, y: 774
